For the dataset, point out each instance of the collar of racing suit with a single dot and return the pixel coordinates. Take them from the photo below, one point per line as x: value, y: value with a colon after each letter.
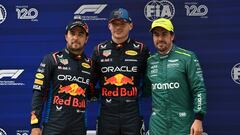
x: 121, y: 44
x: 74, y: 56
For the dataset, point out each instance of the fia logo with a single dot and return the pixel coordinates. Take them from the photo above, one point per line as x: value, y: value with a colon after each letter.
x: 235, y: 73
x: 3, y: 14
x: 157, y: 9
x: 25, y: 13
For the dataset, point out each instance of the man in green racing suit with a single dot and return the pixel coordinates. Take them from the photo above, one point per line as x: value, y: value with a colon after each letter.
x: 174, y: 77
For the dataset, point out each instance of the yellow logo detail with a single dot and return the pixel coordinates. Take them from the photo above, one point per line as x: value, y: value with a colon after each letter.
x: 39, y: 76
x: 86, y: 65
x: 131, y: 52
x: 39, y: 82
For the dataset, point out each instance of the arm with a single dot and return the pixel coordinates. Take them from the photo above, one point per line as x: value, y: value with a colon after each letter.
x: 197, y: 86
x: 40, y: 88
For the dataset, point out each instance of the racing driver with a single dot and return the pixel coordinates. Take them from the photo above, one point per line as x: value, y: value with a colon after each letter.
x: 62, y: 83
x: 119, y: 64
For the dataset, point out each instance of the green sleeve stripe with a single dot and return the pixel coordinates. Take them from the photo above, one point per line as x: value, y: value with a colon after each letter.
x: 183, y: 53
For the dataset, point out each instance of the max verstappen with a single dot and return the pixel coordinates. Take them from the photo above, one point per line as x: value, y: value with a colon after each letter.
x: 119, y: 65
x: 61, y: 83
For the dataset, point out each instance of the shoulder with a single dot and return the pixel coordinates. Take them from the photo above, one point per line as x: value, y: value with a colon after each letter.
x: 183, y: 52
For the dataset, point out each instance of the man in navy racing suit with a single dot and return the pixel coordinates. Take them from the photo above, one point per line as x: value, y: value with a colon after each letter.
x: 61, y: 83
x: 119, y: 65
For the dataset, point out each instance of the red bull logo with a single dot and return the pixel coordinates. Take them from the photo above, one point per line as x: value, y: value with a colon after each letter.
x: 119, y: 80
x: 72, y: 89
x: 71, y: 101
x: 123, y: 92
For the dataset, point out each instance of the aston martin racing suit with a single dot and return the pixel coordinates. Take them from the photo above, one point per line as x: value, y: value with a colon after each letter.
x: 62, y: 82
x: 178, y: 92
x: 119, y: 70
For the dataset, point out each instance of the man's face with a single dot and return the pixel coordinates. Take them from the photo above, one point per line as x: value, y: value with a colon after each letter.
x: 76, y: 39
x: 119, y: 28
x: 162, y: 39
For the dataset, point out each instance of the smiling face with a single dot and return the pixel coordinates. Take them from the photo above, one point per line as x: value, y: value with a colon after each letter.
x: 162, y: 39
x: 76, y: 38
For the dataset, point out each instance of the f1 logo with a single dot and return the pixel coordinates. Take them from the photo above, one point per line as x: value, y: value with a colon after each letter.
x: 236, y: 73
x: 95, y: 8
x: 13, y: 73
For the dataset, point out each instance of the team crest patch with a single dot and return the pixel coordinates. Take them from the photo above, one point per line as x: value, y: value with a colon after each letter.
x: 64, y: 61
x: 106, y: 53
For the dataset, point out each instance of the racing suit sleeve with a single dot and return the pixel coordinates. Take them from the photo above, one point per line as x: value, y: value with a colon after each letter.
x: 196, y: 82
x: 40, y: 89
x: 147, y: 83
x: 95, y: 72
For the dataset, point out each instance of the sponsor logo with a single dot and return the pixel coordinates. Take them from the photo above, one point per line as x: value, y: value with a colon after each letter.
x: 131, y: 60
x: 106, y: 53
x: 72, y: 79
x: 39, y: 76
x: 5, y: 74
x: 39, y: 82
x: 71, y: 101
x: 64, y: 68
x: 86, y: 65
x: 123, y: 92
x: 235, y: 73
x: 3, y: 14
x: 192, y: 9
x: 64, y: 61
x: 34, y: 119
x: 36, y: 87
x: 94, y: 9
x: 2, y: 132
x: 72, y: 89
x: 131, y: 52
x: 106, y: 60
x: 156, y: 9
x: 26, y: 13
x: 165, y: 86
x: 119, y: 80
x: 118, y: 69
x: 182, y: 114
x: 199, y: 101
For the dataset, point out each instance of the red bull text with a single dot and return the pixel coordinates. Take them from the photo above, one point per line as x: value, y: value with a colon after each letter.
x: 123, y: 92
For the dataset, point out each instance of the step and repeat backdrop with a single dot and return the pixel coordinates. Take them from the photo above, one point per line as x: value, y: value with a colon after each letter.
x: 30, y: 29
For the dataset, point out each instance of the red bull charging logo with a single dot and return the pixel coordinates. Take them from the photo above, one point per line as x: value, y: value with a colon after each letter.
x: 119, y: 80
x: 72, y: 89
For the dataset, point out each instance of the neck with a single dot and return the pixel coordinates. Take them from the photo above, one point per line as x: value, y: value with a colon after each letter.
x: 118, y: 40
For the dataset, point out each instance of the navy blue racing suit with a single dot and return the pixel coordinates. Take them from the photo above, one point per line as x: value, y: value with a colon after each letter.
x: 119, y: 69
x: 62, y: 83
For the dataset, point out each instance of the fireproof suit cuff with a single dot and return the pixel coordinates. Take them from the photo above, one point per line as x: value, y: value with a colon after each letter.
x: 199, y: 116
x: 35, y: 126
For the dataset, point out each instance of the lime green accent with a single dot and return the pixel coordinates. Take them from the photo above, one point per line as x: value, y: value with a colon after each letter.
x: 183, y: 53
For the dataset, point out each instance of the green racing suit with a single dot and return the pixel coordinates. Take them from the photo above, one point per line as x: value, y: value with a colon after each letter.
x: 178, y: 93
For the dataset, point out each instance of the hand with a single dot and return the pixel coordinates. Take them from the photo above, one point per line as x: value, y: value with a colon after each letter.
x: 36, y: 131
x: 196, y: 128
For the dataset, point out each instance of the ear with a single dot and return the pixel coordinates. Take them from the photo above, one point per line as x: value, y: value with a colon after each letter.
x: 130, y: 26
x: 66, y: 37
x: 86, y: 40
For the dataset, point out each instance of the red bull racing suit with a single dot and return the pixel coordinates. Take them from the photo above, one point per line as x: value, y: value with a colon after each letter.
x: 62, y: 82
x: 119, y: 70
x: 178, y: 92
